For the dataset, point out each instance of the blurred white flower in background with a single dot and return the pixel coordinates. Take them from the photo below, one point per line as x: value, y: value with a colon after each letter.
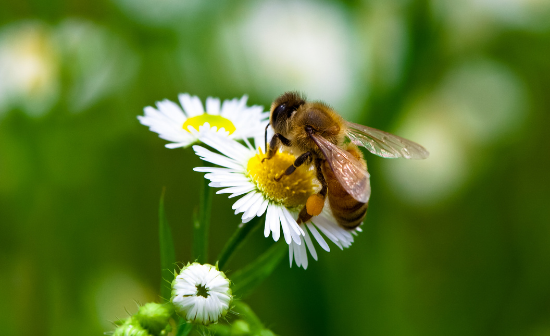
x: 300, y: 45
x: 99, y: 62
x: 477, y: 104
x: 95, y: 63
x: 476, y: 20
x: 29, y: 68
x: 385, y: 43
x: 485, y: 99
x: 442, y: 174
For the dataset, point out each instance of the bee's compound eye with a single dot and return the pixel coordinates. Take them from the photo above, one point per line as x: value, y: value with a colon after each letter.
x: 277, y: 111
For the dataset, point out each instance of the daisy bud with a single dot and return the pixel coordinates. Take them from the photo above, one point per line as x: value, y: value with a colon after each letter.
x: 201, y: 293
x: 130, y: 328
x: 154, y: 317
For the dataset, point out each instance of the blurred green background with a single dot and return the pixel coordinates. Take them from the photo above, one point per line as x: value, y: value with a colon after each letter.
x: 458, y: 244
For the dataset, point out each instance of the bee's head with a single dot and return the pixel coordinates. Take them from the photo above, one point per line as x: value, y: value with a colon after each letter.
x: 283, y: 110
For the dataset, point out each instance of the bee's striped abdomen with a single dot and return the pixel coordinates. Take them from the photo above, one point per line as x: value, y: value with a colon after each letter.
x: 348, y: 212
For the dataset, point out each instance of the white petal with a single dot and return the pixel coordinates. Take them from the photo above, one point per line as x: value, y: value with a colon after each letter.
x: 310, y: 245
x: 268, y: 218
x: 285, y: 225
x: 246, y: 206
x: 213, y: 170
x: 297, y: 254
x: 262, y: 208
x: 253, y: 209
x: 232, y: 149
x: 293, y: 224
x: 290, y: 253
x: 177, y: 145
x: 217, y: 159
x: 191, y: 104
x: 318, y: 237
x: 236, y: 190
x: 303, y: 255
x: 242, y: 200
x: 327, y: 233
x: 275, y: 223
x: 172, y: 111
x: 213, y: 106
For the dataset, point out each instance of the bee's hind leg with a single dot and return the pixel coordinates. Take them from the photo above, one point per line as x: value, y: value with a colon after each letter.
x: 316, y: 202
x: 297, y: 163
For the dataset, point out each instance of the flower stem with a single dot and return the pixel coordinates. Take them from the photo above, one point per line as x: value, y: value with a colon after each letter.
x: 184, y: 328
x: 201, y: 224
x: 237, y: 239
x: 167, y: 252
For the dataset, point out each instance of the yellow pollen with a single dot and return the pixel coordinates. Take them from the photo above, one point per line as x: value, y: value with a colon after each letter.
x: 213, y: 120
x: 292, y: 191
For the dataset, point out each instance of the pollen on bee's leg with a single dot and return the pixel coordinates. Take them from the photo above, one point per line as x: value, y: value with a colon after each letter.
x: 315, y: 204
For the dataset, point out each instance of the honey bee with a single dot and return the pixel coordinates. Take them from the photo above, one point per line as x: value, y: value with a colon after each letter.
x: 316, y: 134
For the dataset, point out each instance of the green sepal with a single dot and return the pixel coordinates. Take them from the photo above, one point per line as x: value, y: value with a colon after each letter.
x: 155, y: 317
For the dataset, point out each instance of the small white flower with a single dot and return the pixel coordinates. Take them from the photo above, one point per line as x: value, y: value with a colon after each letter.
x: 182, y: 128
x: 201, y: 293
x: 328, y: 226
x: 243, y: 173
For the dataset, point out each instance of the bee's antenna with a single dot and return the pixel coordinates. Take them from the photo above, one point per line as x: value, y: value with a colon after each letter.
x: 265, y: 137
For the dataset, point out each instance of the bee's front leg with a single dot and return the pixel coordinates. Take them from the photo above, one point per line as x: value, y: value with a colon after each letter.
x: 297, y: 163
x: 274, y: 145
x: 316, y: 202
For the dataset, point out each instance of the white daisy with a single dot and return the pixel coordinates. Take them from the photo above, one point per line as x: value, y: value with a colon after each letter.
x: 201, y: 294
x: 328, y: 226
x: 243, y: 173
x: 182, y: 128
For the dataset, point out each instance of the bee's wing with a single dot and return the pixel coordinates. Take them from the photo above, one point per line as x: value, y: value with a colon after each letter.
x: 350, y: 172
x: 383, y: 143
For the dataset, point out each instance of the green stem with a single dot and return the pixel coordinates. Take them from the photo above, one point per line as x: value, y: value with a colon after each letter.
x: 237, y: 239
x: 201, y: 224
x: 167, y: 252
x: 184, y: 328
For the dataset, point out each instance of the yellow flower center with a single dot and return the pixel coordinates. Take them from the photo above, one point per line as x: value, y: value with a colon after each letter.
x: 292, y: 190
x: 213, y: 120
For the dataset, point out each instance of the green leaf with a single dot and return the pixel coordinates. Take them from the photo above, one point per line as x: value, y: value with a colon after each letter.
x: 201, y: 224
x: 248, y: 278
x: 237, y: 239
x: 167, y: 252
